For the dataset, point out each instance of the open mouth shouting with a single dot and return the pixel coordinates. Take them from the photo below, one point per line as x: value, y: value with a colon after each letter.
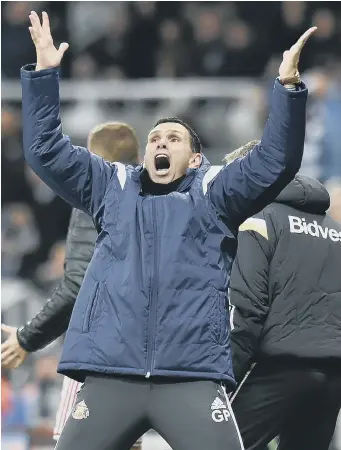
x: 162, y: 163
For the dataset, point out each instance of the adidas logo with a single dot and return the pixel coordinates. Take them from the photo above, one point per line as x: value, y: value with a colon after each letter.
x: 220, y: 413
x: 217, y: 404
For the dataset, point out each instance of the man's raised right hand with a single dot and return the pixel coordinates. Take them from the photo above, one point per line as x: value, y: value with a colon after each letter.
x: 47, y: 54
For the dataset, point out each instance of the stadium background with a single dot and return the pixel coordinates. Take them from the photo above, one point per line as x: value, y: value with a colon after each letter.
x: 211, y: 63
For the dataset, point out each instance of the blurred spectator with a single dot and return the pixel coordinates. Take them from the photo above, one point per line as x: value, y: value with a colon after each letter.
x: 29, y: 211
x: 6, y: 402
x: 243, y: 55
x: 10, y: 133
x: 331, y: 160
x: 110, y: 50
x: 322, y: 155
x: 19, y: 237
x: 84, y: 67
x: 13, y: 185
x: 209, y: 51
x: 52, y: 217
x: 50, y: 272
x: 46, y: 375
x: 88, y: 21
x: 40, y: 191
x: 14, y: 415
x: 294, y: 20
x: 16, y: 46
x: 143, y: 40
x: 172, y: 57
x: 326, y: 40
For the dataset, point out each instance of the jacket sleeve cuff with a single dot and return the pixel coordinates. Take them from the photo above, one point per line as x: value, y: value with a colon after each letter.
x: 22, y: 340
x: 301, y: 89
x: 29, y: 71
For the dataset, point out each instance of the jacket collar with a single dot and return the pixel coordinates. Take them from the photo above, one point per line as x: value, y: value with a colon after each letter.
x: 139, y: 172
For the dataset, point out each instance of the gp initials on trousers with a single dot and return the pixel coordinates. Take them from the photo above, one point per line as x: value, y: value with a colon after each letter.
x: 219, y: 415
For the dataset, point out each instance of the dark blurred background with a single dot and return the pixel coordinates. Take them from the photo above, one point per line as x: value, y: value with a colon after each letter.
x: 211, y: 63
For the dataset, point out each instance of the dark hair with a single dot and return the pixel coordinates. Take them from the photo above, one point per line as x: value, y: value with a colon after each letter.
x: 195, y: 141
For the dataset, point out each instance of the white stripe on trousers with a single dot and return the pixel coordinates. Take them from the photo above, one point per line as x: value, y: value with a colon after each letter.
x: 229, y: 407
x: 67, y: 400
x: 233, y: 396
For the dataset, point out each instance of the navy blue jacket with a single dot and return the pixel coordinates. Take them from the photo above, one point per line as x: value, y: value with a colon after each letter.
x: 153, y: 300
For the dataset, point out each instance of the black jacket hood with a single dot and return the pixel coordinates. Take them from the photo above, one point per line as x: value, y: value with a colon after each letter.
x: 306, y: 194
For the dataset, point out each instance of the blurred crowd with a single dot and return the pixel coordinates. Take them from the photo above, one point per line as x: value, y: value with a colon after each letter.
x: 147, y: 40
x: 172, y: 39
x: 34, y: 220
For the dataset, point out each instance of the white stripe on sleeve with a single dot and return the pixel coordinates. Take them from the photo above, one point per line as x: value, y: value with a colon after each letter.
x: 209, y: 175
x: 121, y: 174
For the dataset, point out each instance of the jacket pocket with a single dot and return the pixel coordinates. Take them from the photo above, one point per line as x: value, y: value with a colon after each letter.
x: 90, y: 309
x: 219, y: 319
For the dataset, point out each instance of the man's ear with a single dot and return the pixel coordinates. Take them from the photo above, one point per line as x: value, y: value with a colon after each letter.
x: 195, y: 161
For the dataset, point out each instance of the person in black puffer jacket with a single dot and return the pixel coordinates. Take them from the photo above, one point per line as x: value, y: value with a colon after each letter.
x: 285, y: 296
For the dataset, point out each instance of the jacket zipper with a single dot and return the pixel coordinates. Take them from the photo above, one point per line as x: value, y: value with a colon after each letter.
x: 153, y: 298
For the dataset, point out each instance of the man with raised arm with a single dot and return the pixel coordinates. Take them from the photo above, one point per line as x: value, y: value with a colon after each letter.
x: 149, y: 332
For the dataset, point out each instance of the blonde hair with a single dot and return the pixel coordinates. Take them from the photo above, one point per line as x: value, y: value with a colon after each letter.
x: 114, y: 141
x: 240, y: 152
